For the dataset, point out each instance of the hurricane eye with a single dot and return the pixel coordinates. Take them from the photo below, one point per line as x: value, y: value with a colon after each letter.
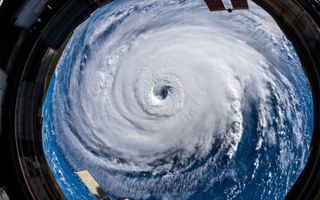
x: 162, y: 92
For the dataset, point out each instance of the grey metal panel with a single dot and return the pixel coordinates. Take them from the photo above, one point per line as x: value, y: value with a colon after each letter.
x: 3, y: 85
x: 3, y: 194
x: 1, y: 99
x: 3, y: 80
x: 30, y: 13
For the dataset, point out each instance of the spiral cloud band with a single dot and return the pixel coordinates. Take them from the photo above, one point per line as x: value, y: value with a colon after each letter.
x: 163, y: 99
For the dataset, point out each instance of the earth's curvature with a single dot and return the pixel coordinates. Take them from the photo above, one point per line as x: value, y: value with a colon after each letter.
x: 165, y: 100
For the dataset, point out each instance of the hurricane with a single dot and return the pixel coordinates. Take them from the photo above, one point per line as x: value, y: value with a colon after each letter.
x: 166, y: 100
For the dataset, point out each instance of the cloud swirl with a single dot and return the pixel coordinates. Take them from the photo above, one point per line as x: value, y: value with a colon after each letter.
x: 155, y: 97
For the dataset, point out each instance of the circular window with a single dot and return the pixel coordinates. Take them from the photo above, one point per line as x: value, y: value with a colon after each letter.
x: 164, y: 99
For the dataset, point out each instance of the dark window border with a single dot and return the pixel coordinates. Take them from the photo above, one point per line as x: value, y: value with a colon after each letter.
x: 33, y: 59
